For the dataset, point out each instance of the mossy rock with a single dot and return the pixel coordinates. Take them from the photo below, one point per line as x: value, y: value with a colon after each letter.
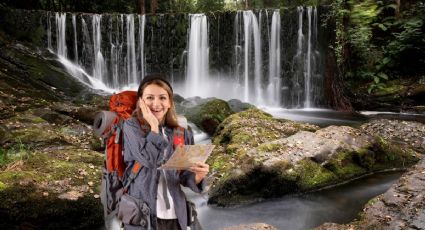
x: 209, y: 115
x: 54, y: 189
x: 301, y: 162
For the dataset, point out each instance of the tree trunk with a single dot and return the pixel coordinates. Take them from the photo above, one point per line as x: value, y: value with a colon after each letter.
x: 247, y: 4
x: 397, y: 9
x: 141, y: 7
x: 154, y: 6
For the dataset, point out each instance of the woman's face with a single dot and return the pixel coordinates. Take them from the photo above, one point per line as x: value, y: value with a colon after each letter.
x: 157, y: 99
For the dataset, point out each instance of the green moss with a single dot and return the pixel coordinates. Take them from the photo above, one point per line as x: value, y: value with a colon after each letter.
x: 312, y: 175
x: 372, y: 201
x: 2, y: 186
x: 391, y: 88
x: 242, y: 138
x: 11, y: 177
x: 34, y: 134
x: 269, y: 147
x: 391, y: 155
x: 255, y: 113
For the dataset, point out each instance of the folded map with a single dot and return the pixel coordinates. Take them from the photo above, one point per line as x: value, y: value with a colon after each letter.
x: 187, y: 155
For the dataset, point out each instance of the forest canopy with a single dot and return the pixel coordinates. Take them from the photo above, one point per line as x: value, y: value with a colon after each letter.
x: 153, y: 6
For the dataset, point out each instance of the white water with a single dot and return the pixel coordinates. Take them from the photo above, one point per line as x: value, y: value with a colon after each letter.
x: 131, y: 51
x: 307, y: 66
x: 142, y: 23
x: 252, y: 38
x: 99, y: 63
x: 274, y: 85
x: 118, y: 59
x: 298, y: 55
x: 74, y: 26
x: 197, y: 64
x: 60, y: 34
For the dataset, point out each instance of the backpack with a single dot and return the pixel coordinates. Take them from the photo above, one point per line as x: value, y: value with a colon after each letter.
x: 108, y: 126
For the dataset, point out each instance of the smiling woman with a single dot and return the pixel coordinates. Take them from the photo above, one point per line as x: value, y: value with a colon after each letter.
x: 148, y: 141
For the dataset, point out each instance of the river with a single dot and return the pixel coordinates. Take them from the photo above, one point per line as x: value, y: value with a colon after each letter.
x: 339, y: 204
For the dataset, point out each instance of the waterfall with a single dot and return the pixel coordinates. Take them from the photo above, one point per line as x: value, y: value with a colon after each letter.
x: 99, y: 68
x: 131, y: 51
x: 197, y: 64
x: 251, y: 32
x: 74, y: 25
x: 60, y: 34
x: 274, y: 85
x: 307, y: 67
x: 142, y: 23
x: 273, y: 61
x: 297, y: 92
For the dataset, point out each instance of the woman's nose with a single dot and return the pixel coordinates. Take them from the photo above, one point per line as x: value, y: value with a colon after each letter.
x: 156, y: 102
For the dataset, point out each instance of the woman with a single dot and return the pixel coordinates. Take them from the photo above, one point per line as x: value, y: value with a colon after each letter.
x: 158, y: 189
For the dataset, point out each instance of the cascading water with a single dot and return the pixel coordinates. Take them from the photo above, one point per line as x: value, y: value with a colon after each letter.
x: 273, y: 61
x: 131, y: 51
x: 307, y: 66
x: 197, y: 64
x: 99, y: 69
x: 74, y: 26
x: 274, y: 83
x: 142, y: 24
x: 60, y: 34
x: 251, y: 30
x: 306, y: 87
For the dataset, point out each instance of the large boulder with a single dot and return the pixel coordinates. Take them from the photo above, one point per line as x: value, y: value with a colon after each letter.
x: 261, y: 157
x: 209, y: 114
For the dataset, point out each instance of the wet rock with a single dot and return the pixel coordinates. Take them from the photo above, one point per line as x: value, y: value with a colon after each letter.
x: 209, y: 115
x: 258, y: 226
x: 238, y: 106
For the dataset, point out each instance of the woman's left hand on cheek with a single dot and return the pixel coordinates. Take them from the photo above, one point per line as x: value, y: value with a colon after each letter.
x: 201, y: 170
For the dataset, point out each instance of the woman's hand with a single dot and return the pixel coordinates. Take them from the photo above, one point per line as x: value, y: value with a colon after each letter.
x: 148, y: 116
x: 201, y: 170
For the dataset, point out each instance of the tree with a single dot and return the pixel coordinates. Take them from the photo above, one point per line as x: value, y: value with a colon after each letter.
x: 141, y: 6
x: 154, y: 6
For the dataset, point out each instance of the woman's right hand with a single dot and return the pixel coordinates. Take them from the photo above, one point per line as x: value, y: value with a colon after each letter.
x: 148, y: 116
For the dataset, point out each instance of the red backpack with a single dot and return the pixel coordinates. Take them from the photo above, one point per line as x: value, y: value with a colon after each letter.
x: 108, y: 126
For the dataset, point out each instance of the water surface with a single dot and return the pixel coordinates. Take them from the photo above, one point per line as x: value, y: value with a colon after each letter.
x: 339, y: 204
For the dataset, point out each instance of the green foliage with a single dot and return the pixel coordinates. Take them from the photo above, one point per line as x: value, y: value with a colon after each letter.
x: 16, y: 152
x: 374, y: 44
x: 337, y: 14
x: 183, y: 6
x: 209, y: 5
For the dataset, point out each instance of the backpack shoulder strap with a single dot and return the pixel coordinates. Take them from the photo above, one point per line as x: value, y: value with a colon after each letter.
x: 134, y: 172
x: 178, y: 136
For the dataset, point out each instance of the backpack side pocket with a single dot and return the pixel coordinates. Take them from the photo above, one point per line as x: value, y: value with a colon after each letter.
x: 134, y: 211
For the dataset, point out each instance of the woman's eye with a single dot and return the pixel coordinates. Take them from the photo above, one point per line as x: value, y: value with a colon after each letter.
x: 163, y: 98
x: 149, y: 98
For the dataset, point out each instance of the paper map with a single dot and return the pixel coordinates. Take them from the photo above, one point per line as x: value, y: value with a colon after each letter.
x: 185, y: 156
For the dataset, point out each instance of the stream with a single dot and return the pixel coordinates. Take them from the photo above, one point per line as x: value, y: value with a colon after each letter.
x: 339, y: 204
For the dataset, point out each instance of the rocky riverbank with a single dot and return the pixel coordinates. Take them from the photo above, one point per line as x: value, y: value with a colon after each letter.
x: 401, y: 207
x: 262, y: 157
